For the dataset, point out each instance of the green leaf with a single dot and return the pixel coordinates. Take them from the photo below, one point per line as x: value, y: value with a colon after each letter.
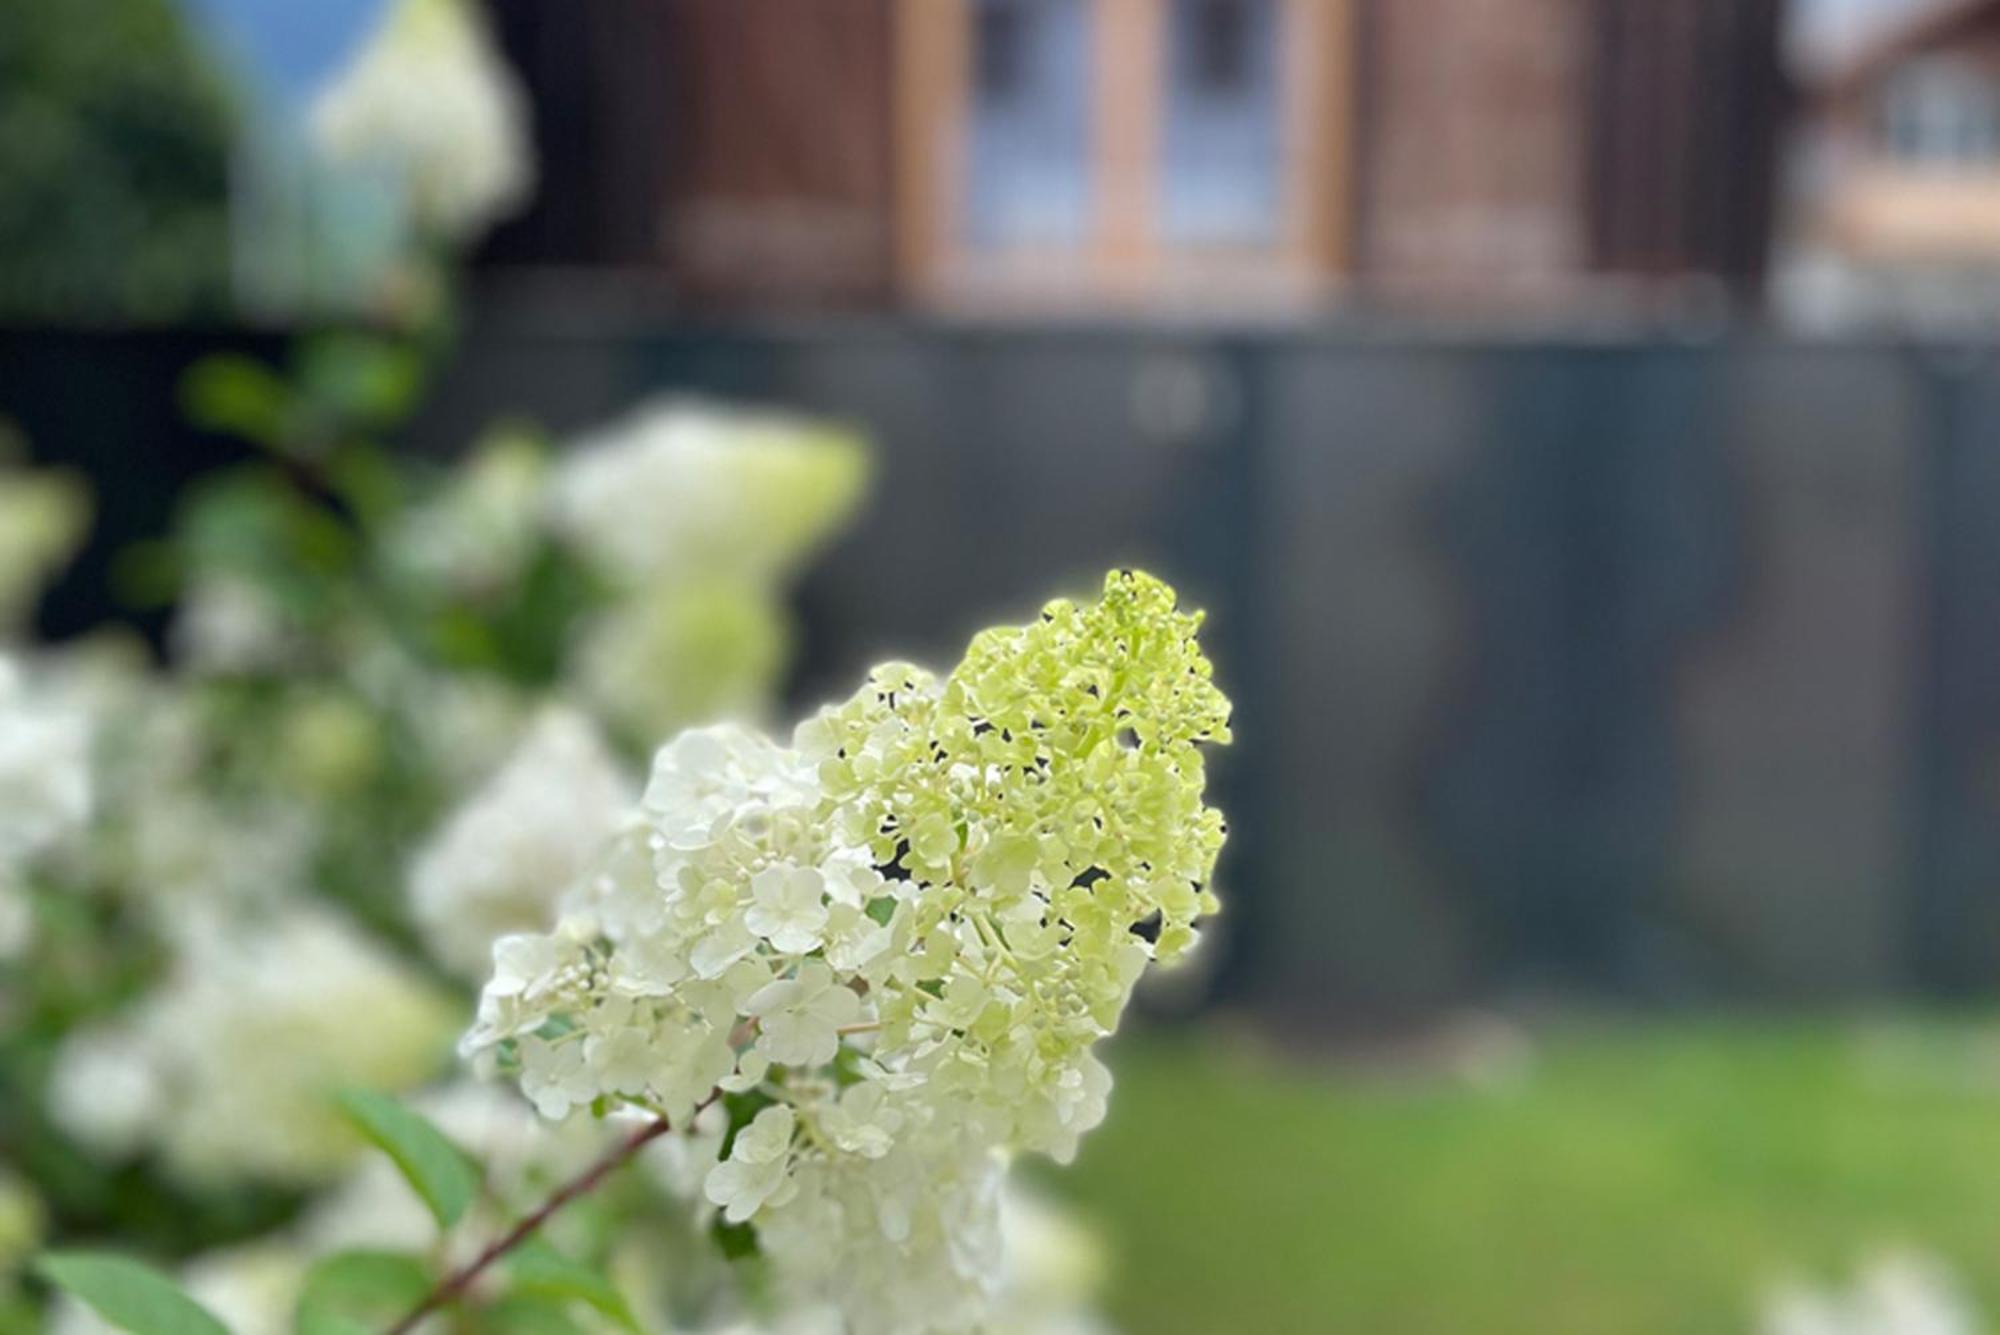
x: 367, y: 479
x: 238, y: 396
x: 129, y: 1295
x: 360, y: 1291
x: 313, y: 1321
x: 539, y: 1269
x: 736, y: 1242
x: 361, y: 380
x: 527, y: 1314
x: 438, y: 1169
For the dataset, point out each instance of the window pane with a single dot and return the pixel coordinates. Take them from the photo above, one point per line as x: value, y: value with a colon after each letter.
x: 1220, y: 177
x: 1942, y: 110
x: 1028, y: 176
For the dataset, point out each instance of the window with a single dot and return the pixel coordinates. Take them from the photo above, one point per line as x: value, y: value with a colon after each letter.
x: 1129, y: 151
x: 1219, y: 178
x: 1942, y: 111
x: 1028, y: 181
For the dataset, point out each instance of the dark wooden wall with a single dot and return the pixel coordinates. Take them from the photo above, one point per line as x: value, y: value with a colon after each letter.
x: 1686, y: 101
x: 738, y: 149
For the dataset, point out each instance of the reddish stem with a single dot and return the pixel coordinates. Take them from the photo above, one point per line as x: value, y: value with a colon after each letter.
x: 453, y: 1286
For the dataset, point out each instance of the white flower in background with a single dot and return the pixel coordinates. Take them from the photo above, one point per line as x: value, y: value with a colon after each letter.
x: 45, y: 781
x: 1898, y: 1293
x: 193, y: 859
x: 227, y: 625
x: 678, y: 653
x: 677, y: 490
x: 175, y: 850
x: 431, y: 104
x: 45, y: 790
x: 905, y: 933
x: 43, y: 516
x: 477, y: 535
x: 1053, y: 1272
x: 108, y: 1089
x: 464, y: 724
x: 501, y: 863
x: 243, y: 1042
x: 696, y: 514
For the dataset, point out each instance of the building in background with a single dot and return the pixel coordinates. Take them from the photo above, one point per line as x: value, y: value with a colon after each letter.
x: 1247, y: 155
x: 1895, y: 208
x: 1552, y: 154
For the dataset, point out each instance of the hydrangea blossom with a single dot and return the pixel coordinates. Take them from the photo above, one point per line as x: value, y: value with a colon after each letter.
x: 476, y: 536
x: 892, y: 945
x: 227, y: 625
x: 502, y: 862
x: 693, y: 514
x: 45, y: 791
x: 226, y: 1068
x: 656, y: 660
x: 430, y: 101
x: 678, y: 488
x: 45, y: 785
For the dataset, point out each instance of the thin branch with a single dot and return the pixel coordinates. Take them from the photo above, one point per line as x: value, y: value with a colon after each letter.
x: 453, y: 1286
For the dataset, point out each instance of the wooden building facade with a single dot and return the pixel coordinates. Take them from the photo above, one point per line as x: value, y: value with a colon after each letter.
x: 1149, y: 154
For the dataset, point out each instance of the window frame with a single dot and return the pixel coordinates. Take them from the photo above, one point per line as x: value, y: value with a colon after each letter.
x: 1126, y: 257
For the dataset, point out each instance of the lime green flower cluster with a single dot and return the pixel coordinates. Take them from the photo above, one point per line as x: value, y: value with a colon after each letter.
x: 893, y: 944
x: 1051, y: 796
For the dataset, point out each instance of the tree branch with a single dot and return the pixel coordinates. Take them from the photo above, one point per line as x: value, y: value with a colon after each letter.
x: 453, y: 1286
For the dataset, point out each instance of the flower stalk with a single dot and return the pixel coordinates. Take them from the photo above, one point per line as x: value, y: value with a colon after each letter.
x: 453, y: 1286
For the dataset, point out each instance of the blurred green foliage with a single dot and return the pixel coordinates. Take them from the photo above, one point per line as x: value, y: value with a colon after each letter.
x: 1648, y: 1178
x: 114, y: 154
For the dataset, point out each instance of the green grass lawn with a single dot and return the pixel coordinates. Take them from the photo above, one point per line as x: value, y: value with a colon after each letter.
x: 1638, y: 1179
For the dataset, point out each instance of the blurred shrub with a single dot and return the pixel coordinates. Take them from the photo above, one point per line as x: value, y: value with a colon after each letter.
x: 114, y: 149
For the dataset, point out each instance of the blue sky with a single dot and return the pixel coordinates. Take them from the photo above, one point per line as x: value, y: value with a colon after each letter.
x: 288, y: 46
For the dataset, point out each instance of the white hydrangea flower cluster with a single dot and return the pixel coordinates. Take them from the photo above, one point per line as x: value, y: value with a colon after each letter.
x: 502, y: 862
x: 430, y: 100
x: 678, y: 487
x: 695, y: 514
x: 892, y: 946
x: 45, y: 790
x: 226, y: 1068
x: 185, y: 857
x: 45, y: 785
x: 480, y: 531
x: 1897, y: 1293
x: 227, y: 625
